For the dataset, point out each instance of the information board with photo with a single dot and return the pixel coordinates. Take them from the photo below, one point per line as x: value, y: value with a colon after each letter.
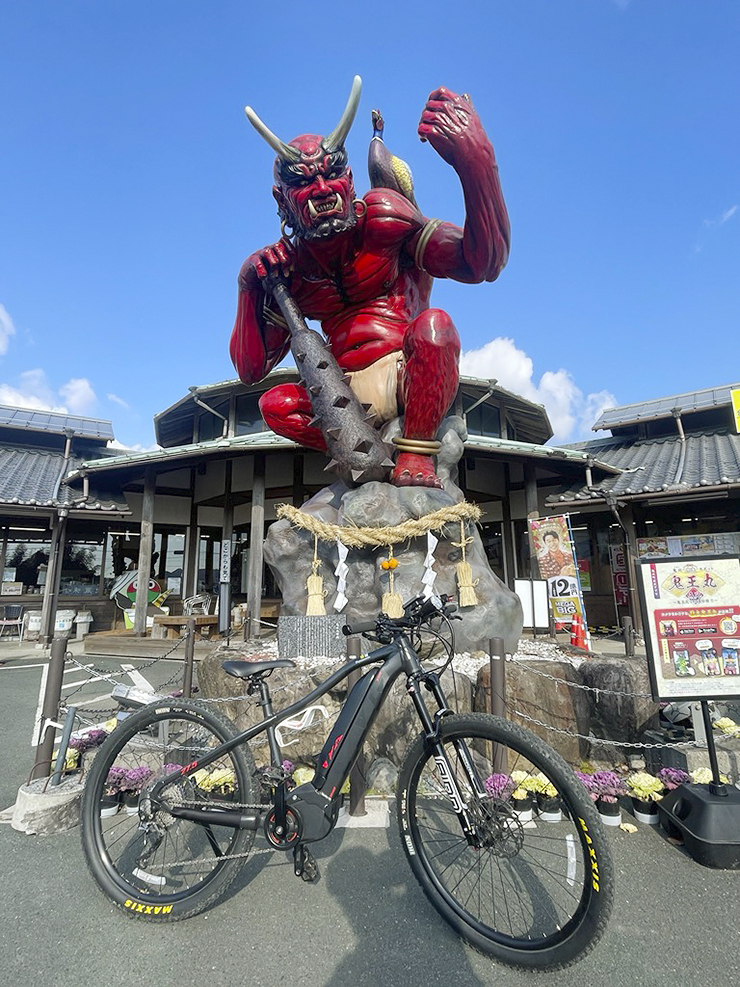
x: 691, y: 616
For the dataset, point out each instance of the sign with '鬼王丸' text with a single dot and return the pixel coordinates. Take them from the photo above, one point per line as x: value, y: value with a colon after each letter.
x: 691, y: 615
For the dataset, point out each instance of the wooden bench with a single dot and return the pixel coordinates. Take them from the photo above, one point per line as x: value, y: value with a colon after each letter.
x: 171, y: 628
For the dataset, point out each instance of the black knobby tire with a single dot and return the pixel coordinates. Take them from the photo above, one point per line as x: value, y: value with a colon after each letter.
x: 183, y: 874
x: 533, y: 894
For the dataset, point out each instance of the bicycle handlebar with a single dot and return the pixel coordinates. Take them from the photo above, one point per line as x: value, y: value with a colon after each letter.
x: 416, y: 612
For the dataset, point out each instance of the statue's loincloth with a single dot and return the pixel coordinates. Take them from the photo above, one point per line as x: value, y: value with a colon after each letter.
x: 378, y: 385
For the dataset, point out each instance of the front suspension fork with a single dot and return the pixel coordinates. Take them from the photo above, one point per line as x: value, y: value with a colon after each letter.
x: 436, y: 748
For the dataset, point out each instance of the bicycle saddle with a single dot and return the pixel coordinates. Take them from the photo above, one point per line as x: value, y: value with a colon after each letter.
x: 246, y: 669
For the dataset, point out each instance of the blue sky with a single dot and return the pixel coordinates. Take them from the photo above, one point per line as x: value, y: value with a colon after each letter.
x: 132, y: 186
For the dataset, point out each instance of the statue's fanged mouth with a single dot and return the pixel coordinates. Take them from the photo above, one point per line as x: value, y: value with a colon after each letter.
x: 322, y: 207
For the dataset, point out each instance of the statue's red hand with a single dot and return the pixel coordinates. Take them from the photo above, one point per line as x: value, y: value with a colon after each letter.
x: 449, y: 122
x: 275, y: 258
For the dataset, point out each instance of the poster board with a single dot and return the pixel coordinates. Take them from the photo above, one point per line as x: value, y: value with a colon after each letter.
x: 533, y: 596
x: 691, y: 618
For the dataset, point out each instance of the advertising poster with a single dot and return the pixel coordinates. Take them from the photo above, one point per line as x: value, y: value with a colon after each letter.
x: 691, y: 614
x: 553, y: 546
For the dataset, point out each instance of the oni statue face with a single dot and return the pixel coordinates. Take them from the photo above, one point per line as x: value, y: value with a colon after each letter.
x: 315, y: 194
x: 313, y: 185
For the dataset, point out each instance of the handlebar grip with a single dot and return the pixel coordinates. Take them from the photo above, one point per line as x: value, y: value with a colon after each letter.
x: 359, y: 627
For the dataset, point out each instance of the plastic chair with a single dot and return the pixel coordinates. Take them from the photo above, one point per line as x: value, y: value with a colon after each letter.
x: 12, y: 617
x: 199, y: 604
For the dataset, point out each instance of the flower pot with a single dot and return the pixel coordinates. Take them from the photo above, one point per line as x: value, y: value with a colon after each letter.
x: 549, y: 807
x: 524, y: 808
x: 110, y: 804
x: 645, y: 812
x: 130, y: 802
x: 610, y: 812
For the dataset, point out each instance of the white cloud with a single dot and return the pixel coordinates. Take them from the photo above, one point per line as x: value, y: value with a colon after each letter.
x: 137, y: 447
x: 116, y: 400
x: 571, y: 412
x: 79, y: 395
x: 7, y: 329
x: 33, y: 391
x: 721, y: 219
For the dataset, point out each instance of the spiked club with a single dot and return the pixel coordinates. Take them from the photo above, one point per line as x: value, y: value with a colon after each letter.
x: 357, y: 453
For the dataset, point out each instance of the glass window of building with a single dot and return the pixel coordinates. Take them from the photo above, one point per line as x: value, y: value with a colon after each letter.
x: 484, y: 420
x: 26, y: 557
x: 210, y: 426
x: 248, y: 415
x: 82, y: 563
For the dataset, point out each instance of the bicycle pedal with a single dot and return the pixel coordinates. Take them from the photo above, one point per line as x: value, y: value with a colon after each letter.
x: 305, y: 865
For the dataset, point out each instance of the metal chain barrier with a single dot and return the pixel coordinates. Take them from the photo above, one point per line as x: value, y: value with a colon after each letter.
x: 585, y: 688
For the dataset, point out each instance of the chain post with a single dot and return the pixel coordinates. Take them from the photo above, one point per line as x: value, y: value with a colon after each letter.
x: 497, y: 680
x: 187, y: 681
x: 50, y: 708
x: 628, y: 632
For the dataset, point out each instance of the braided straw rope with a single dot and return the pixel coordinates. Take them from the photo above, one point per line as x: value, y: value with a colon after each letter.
x: 356, y: 537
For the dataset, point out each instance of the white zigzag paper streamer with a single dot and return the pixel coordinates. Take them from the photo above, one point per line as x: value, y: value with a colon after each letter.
x: 429, y: 574
x: 341, y: 571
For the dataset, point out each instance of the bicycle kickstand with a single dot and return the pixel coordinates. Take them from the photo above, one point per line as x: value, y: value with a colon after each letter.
x: 305, y: 865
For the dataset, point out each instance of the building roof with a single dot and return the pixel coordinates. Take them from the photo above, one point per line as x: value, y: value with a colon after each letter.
x: 661, y: 466
x: 31, y: 420
x: 644, y: 411
x: 551, y: 454
x: 174, y: 425
x: 181, y: 456
x: 32, y: 478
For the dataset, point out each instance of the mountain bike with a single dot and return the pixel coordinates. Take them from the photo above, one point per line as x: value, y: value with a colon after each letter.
x: 527, y: 891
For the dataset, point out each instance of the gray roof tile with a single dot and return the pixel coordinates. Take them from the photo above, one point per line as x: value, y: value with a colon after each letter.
x: 651, y: 465
x: 28, y: 477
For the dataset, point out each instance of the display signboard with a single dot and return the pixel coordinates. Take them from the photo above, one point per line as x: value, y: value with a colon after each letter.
x: 691, y: 618
x: 552, y: 543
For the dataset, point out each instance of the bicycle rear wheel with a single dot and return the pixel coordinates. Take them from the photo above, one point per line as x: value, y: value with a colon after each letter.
x: 148, y: 862
x: 531, y: 892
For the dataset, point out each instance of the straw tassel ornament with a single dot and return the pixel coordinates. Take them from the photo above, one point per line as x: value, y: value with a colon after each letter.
x: 391, y: 604
x: 315, y: 585
x: 465, y: 585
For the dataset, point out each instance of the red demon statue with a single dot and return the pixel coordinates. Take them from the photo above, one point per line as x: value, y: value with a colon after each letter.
x: 364, y: 269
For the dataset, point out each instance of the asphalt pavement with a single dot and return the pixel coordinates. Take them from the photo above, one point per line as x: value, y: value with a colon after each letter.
x: 366, y: 923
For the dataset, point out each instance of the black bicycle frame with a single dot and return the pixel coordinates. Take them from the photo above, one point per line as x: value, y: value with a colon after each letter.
x: 317, y: 800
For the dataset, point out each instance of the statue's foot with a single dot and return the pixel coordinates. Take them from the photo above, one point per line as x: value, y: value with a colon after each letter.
x: 412, y: 470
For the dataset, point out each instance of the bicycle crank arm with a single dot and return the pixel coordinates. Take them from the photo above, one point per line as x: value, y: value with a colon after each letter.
x: 217, y: 817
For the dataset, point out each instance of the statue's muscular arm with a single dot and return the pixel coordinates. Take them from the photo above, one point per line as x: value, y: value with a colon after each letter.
x: 258, y: 341
x: 479, y: 251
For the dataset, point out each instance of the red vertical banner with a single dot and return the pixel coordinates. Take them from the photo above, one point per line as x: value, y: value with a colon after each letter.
x: 619, y: 575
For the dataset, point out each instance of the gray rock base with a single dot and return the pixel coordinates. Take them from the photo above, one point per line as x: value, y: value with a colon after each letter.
x: 289, y: 552
x: 41, y: 810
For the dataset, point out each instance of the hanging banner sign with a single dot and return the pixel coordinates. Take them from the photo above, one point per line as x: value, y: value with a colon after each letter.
x: 552, y: 544
x: 619, y: 575
x: 691, y: 616
x: 225, y: 572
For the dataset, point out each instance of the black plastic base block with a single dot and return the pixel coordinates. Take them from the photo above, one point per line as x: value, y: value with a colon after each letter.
x: 708, y: 823
x: 663, y: 757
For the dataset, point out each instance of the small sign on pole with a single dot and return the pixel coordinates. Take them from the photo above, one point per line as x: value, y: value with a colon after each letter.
x: 735, y: 397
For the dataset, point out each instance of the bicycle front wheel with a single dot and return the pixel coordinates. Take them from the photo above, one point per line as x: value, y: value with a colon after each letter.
x: 151, y: 864
x: 533, y: 889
